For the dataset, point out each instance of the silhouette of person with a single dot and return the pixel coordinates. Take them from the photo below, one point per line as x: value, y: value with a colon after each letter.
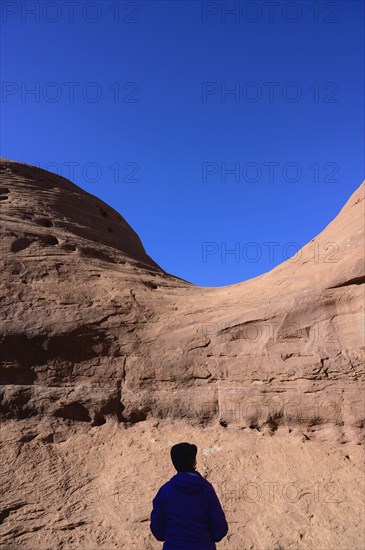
x: 186, y: 512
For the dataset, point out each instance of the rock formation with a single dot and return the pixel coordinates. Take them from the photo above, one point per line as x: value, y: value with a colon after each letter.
x: 100, y: 346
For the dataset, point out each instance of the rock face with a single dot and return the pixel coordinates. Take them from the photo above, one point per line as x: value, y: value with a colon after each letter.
x: 92, y: 327
x: 96, y: 336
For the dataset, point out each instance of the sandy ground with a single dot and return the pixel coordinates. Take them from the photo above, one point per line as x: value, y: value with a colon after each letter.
x: 77, y: 486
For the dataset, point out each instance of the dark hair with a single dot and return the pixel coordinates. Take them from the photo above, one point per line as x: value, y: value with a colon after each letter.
x: 183, y: 456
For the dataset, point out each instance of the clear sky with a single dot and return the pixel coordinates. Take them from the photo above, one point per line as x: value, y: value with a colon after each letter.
x: 210, y: 126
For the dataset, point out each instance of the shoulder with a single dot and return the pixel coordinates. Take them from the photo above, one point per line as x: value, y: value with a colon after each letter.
x: 209, y: 488
x: 204, y: 481
x: 164, y: 489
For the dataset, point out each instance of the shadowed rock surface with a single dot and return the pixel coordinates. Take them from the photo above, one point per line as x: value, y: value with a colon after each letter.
x: 107, y: 360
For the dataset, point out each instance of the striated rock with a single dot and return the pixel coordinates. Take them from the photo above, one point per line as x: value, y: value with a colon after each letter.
x: 92, y: 327
x: 97, y: 338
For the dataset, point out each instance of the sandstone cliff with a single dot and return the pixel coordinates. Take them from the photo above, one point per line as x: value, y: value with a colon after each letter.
x: 92, y: 327
x: 99, y: 346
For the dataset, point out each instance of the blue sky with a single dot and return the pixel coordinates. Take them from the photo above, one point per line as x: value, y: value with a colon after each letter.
x: 210, y: 126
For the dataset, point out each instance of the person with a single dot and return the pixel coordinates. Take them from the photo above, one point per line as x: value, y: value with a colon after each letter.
x: 187, y: 514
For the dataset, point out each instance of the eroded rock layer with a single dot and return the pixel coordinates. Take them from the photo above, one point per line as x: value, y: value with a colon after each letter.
x: 91, y: 327
x: 107, y: 360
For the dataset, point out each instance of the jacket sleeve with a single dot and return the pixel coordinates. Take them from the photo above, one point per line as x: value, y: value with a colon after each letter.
x: 158, y: 523
x: 218, y: 522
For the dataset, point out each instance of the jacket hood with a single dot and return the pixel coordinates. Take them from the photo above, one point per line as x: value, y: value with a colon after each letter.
x: 188, y: 483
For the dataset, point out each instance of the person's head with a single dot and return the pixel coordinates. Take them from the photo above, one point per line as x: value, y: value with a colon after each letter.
x: 183, y: 456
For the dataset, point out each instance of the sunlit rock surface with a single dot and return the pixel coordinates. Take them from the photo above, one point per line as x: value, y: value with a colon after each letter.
x: 107, y: 360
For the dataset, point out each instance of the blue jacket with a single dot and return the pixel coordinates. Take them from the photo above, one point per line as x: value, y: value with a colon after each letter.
x: 187, y: 514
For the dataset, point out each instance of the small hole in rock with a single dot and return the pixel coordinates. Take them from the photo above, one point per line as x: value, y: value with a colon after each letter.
x: 69, y: 247
x: 44, y: 222
x: 254, y: 426
x: 50, y: 240
x: 17, y: 269
x: 28, y: 437
x: 20, y: 244
x: 102, y: 212
x: 73, y: 411
x: 98, y: 420
x: 150, y: 284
